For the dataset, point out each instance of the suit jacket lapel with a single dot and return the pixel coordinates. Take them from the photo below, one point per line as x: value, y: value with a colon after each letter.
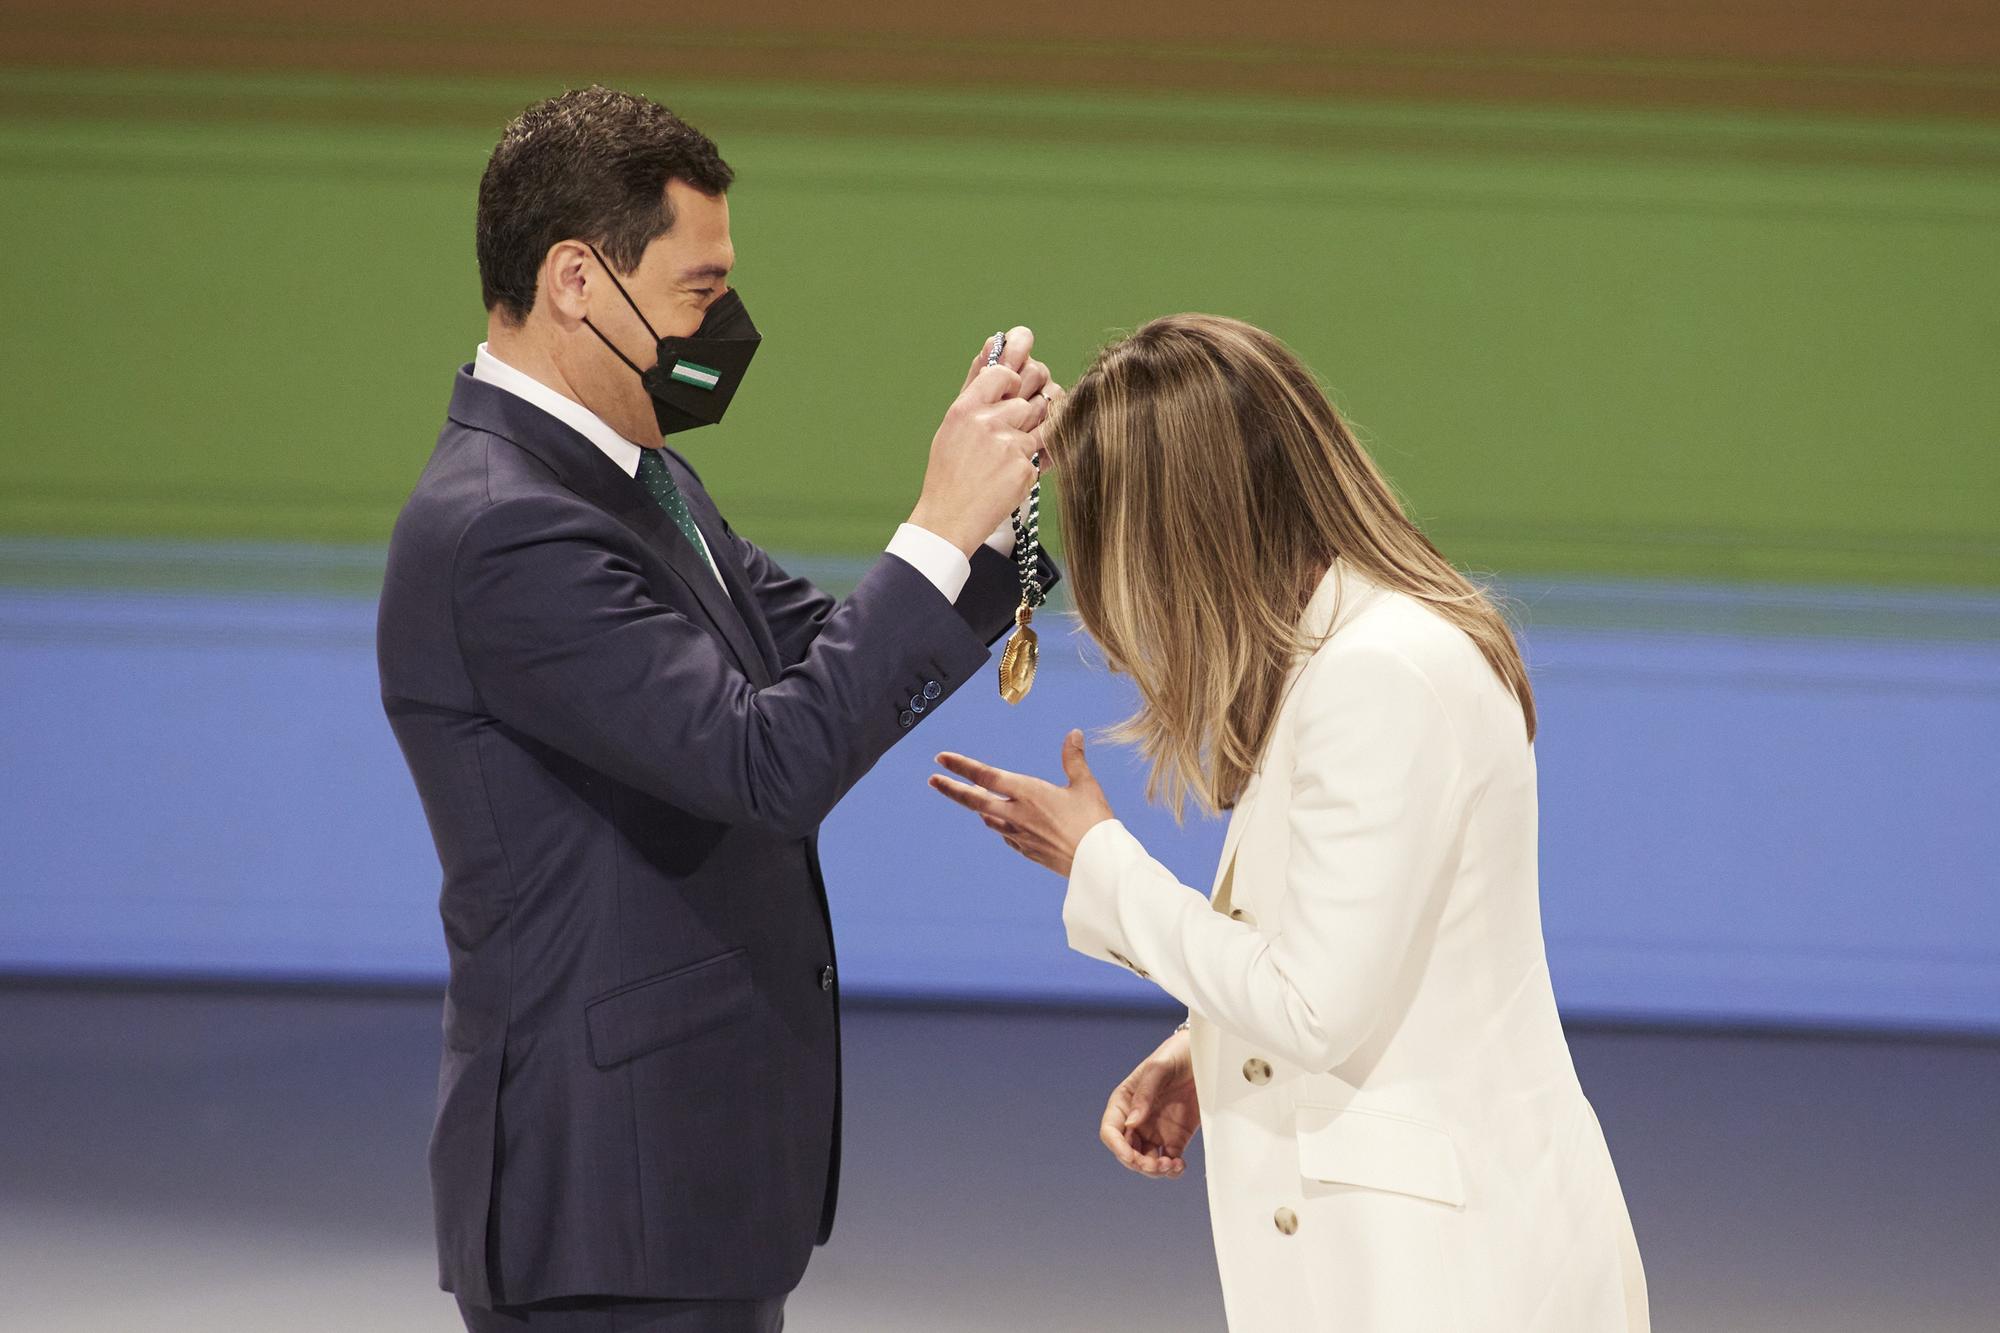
x: 583, y: 468
x: 742, y: 598
x: 639, y: 510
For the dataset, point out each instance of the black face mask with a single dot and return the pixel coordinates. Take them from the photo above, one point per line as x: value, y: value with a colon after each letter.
x: 695, y: 377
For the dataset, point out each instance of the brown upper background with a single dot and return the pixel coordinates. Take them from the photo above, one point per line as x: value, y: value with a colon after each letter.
x: 1894, y: 57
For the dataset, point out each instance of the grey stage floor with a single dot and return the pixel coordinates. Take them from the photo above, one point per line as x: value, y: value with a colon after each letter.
x: 187, y: 1161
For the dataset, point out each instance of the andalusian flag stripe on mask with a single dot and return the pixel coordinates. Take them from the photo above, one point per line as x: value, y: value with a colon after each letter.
x: 702, y: 377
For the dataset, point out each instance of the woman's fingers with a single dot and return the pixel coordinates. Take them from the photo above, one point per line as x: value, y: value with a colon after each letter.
x: 1075, y: 767
x: 1157, y: 1160
x: 993, y: 811
x: 975, y: 799
x: 997, y: 812
x: 1000, y: 799
x: 1122, y: 1150
x: 1135, y: 1149
x: 1111, y: 1130
x: 985, y: 775
x: 1151, y: 1161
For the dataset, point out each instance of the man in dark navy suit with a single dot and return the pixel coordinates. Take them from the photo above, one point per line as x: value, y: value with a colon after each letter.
x: 626, y: 724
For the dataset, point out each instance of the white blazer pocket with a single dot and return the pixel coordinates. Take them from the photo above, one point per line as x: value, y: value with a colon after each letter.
x: 1345, y: 1145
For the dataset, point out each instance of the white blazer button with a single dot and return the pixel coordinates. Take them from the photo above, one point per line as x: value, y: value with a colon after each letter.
x: 1287, y: 1221
x: 1256, y: 1070
x: 1129, y: 965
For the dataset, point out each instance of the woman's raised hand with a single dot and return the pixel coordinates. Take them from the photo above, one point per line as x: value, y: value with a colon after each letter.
x: 1038, y: 819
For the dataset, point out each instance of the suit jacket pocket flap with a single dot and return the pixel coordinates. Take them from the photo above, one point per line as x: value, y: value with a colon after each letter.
x: 671, y: 1007
x: 1350, y: 1146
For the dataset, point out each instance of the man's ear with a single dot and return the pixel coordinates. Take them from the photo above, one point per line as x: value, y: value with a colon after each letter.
x: 566, y: 282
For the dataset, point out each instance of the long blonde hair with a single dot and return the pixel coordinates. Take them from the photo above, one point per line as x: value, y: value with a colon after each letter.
x: 1206, y: 484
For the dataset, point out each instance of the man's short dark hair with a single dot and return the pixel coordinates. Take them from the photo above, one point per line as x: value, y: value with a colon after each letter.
x: 591, y: 165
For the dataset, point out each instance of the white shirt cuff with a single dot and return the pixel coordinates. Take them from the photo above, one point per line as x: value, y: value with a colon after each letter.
x: 933, y: 557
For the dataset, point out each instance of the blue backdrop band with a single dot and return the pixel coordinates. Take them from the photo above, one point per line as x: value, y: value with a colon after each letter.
x: 1787, y: 821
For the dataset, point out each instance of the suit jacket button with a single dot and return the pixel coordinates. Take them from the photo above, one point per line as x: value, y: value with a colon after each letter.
x: 1256, y: 1070
x: 917, y: 704
x: 826, y: 977
x: 932, y: 689
x: 1286, y: 1221
x: 906, y: 719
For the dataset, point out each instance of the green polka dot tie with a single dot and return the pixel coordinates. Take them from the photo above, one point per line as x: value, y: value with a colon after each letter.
x: 659, y: 484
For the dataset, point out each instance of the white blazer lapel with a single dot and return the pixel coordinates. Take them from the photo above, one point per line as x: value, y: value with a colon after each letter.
x: 1239, y: 819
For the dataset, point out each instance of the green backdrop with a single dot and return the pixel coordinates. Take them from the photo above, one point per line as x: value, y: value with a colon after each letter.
x: 1684, y: 344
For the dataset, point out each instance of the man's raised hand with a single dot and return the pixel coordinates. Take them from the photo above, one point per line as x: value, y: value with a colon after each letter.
x: 980, y: 466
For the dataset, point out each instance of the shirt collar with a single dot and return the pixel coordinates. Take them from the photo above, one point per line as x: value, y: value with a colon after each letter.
x: 490, y: 369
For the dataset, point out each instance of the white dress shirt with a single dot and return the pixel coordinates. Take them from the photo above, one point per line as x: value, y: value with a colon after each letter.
x: 929, y: 554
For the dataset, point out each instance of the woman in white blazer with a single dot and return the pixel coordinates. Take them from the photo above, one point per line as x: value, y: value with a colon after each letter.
x: 1397, y: 1142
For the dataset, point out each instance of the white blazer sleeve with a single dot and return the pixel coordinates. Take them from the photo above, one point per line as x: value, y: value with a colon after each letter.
x: 1376, y: 816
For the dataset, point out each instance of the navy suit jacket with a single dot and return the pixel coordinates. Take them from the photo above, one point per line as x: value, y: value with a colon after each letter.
x: 624, y: 770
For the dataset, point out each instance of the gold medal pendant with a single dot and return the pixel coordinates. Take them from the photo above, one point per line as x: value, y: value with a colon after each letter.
x: 1017, y: 661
